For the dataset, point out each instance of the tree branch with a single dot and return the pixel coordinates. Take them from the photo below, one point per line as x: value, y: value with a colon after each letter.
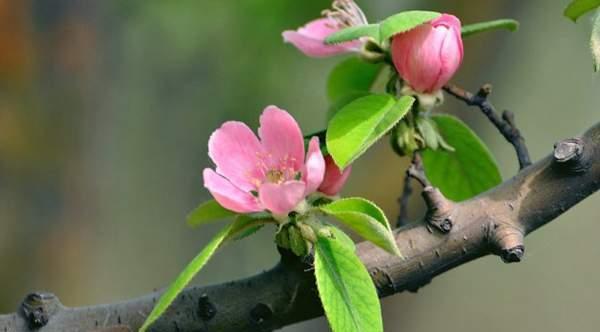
x: 506, y: 125
x: 494, y: 222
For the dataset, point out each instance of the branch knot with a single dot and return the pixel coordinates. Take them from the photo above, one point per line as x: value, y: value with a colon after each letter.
x: 38, y: 308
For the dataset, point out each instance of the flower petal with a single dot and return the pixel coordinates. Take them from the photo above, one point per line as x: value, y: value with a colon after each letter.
x: 282, y: 198
x: 281, y: 139
x: 310, y: 39
x: 228, y: 195
x: 334, y: 178
x: 315, y: 166
x: 235, y: 150
x: 429, y: 55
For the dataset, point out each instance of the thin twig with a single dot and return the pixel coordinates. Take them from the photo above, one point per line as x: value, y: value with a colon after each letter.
x: 505, y: 124
x: 417, y: 172
x: 404, y: 199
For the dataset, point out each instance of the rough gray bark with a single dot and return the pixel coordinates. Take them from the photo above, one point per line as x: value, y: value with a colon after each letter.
x: 494, y: 222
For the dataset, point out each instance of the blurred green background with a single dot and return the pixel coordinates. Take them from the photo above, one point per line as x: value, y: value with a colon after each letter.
x: 105, y: 112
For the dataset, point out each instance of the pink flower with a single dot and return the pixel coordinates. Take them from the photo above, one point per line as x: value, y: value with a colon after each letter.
x: 310, y: 39
x: 334, y: 178
x: 271, y: 174
x: 428, y: 56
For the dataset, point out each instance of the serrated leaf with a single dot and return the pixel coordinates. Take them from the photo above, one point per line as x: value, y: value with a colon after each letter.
x: 353, y: 33
x: 404, y: 21
x: 190, y: 271
x: 466, y: 172
x: 578, y: 8
x: 366, y: 219
x: 208, y: 212
x: 351, y: 76
x: 361, y: 123
x: 346, y: 290
x: 342, y: 102
x: 503, y: 24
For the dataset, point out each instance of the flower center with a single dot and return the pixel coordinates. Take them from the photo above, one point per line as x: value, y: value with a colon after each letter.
x: 345, y: 13
x: 275, y: 176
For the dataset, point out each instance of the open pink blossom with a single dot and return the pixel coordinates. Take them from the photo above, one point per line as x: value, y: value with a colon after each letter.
x: 272, y: 173
x: 427, y: 56
x: 334, y: 178
x: 310, y: 39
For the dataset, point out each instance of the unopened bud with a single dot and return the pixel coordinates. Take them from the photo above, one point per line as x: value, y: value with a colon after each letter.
x: 297, y: 242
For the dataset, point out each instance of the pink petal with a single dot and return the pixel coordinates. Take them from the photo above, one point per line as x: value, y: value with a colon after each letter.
x: 235, y: 149
x: 310, y: 38
x: 228, y: 195
x: 281, y: 198
x: 334, y: 178
x: 282, y: 139
x: 315, y: 166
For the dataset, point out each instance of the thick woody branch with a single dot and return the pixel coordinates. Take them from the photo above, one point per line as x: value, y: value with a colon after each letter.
x: 506, y: 125
x: 491, y: 223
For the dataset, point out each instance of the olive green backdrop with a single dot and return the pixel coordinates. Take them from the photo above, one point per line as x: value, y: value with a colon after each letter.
x: 105, y: 112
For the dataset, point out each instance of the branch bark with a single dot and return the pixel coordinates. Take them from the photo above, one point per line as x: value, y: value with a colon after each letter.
x: 494, y: 222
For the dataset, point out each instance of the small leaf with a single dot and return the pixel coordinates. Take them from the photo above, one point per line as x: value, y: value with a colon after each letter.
x: 208, y: 212
x: 248, y: 224
x: 578, y: 8
x: 185, y: 277
x: 466, y: 172
x: 404, y: 21
x: 346, y: 290
x: 366, y: 219
x: 193, y: 268
x: 428, y: 132
x: 361, y: 123
x: 351, y: 76
x: 506, y: 24
x: 353, y: 33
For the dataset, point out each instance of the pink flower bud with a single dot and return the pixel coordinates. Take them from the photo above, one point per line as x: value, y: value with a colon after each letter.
x: 334, y: 178
x: 310, y: 39
x: 427, y: 56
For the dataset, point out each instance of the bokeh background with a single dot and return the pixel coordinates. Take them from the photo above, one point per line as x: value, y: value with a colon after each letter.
x: 106, y: 108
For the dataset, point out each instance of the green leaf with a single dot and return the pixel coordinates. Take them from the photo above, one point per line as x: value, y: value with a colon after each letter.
x: 341, y: 236
x: 208, y: 212
x: 404, y: 21
x: 346, y: 289
x: 351, y: 76
x: 506, y: 24
x: 248, y: 224
x: 342, y: 102
x: 466, y: 172
x: 366, y: 219
x: 428, y: 132
x: 361, y: 123
x: 353, y: 33
x: 194, y: 267
x: 578, y: 8
x: 185, y: 277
